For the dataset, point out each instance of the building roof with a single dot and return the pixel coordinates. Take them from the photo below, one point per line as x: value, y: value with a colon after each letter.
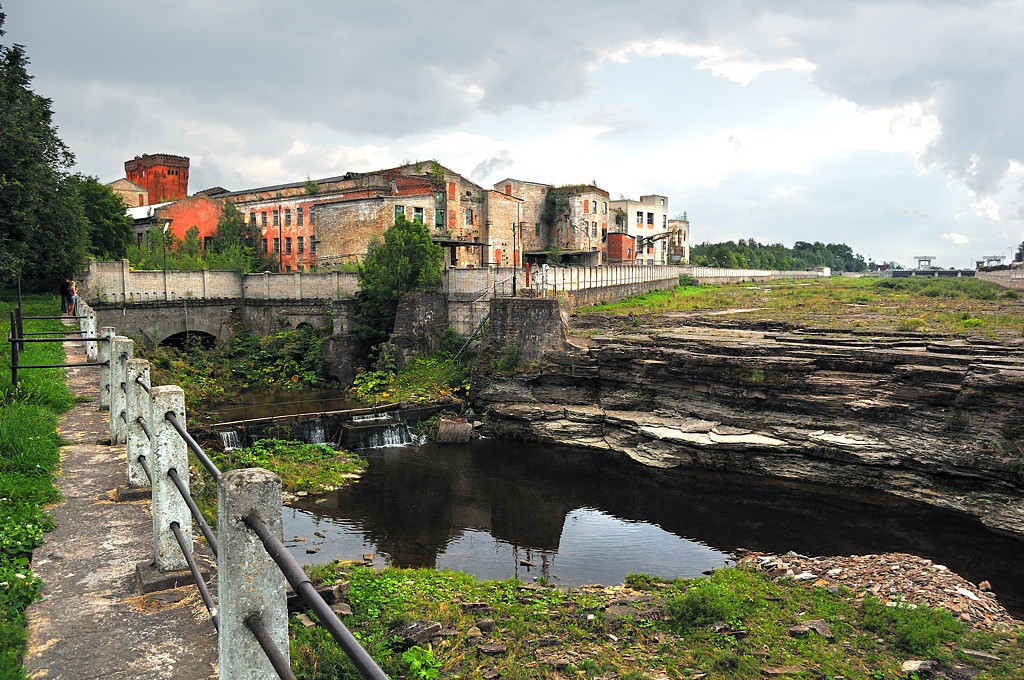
x: 125, y: 183
x: 144, y: 211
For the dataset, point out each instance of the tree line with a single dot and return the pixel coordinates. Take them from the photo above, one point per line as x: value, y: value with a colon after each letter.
x: 750, y: 254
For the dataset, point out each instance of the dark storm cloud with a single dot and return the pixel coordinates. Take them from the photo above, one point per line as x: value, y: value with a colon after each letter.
x: 265, y: 69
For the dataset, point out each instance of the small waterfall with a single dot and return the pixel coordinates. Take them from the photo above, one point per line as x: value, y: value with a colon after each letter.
x: 229, y: 439
x: 376, y: 431
x: 313, y: 431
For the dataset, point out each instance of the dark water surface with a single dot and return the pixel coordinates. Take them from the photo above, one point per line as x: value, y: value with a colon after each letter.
x: 499, y: 509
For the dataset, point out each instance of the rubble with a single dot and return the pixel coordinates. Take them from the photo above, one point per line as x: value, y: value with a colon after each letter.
x: 894, y: 579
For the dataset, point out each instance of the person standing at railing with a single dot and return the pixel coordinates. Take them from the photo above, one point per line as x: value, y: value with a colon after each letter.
x: 65, y: 294
x: 72, y: 297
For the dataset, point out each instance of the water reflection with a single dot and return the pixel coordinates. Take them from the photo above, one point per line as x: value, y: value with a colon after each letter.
x: 501, y: 509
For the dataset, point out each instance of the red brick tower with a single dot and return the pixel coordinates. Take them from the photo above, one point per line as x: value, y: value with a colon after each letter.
x: 165, y: 176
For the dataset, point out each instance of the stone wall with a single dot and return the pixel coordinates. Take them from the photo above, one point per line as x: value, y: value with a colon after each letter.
x: 1008, y: 278
x: 420, y: 321
x: 116, y: 282
x: 532, y: 325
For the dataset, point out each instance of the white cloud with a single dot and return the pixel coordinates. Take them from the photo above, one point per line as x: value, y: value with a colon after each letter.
x: 958, y: 239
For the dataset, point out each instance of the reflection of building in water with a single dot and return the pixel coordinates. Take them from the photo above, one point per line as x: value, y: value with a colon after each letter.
x: 414, y: 510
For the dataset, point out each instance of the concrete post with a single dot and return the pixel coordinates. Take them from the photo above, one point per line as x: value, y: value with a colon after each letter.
x: 105, y: 352
x: 123, y: 349
x: 168, y: 451
x: 138, y: 404
x: 89, y: 329
x: 248, y: 580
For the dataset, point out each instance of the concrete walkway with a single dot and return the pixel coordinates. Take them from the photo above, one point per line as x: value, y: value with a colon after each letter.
x: 94, y: 623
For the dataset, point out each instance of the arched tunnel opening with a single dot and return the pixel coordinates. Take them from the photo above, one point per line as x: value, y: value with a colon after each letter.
x: 189, y: 339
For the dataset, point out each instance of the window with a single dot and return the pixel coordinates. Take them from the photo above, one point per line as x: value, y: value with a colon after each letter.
x: 312, y: 217
x: 650, y: 218
x: 287, y: 268
x: 536, y: 229
x: 138, y: 239
x: 639, y: 217
x: 277, y: 246
x: 299, y: 244
x: 664, y: 221
x: 287, y: 245
x: 277, y: 218
x: 399, y: 210
x: 593, y: 228
x: 252, y: 219
x: 604, y: 208
x: 287, y: 217
x: 438, y: 217
x: 439, y: 196
x: 263, y: 248
x: 264, y: 218
x: 298, y: 216
x: 417, y: 215
x: 469, y: 217
x: 586, y: 205
x: 312, y: 239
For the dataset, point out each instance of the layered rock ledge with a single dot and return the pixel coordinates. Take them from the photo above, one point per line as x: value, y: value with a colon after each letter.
x: 934, y: 420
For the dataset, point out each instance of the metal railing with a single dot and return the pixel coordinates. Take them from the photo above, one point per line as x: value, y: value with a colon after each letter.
x: 17, y: 337
x: 251, y: 613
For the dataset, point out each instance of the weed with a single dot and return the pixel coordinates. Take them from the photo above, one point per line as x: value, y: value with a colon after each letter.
x: 422, y: 663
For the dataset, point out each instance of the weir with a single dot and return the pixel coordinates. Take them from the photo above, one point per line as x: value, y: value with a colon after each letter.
x: 376, y: 431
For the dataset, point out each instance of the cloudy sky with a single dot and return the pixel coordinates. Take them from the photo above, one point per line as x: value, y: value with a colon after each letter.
x: 894, y: 126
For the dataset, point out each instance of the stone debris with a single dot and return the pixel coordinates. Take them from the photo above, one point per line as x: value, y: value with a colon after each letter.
x: 893, y: 578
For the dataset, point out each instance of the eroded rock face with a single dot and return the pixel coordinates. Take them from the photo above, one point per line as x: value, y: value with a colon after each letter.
x: 939, y: 422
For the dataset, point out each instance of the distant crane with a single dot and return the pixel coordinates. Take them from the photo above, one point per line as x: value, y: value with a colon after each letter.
x: 993, y: 260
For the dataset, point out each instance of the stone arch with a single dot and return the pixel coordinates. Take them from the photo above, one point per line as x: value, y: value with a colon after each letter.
x: 180, y: 338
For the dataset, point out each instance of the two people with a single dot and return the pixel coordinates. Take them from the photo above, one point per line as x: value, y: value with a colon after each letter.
x: 68, y: 297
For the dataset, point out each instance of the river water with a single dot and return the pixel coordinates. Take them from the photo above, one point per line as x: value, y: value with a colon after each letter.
x: 500, y: 509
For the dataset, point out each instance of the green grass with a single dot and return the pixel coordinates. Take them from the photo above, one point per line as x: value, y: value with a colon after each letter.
x: 938, y: 306
x: 729, y: 626
x: 29, y: 456
x: 440, y: 376
x: 311, y: 468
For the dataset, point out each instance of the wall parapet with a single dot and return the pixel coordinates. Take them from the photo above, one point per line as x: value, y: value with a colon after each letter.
x: 116, y: 282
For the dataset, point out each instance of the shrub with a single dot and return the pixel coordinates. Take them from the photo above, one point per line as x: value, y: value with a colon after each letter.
x: 704, y: 602
x: 915, y: 630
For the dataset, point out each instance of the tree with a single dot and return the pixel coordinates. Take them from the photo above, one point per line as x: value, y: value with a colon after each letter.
x: 1019, y: 257
x: 110, y: 226
x: 42, y: 226
x: 405, y: 260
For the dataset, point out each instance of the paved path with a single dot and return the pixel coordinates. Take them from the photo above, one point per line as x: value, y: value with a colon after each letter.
x: 94, y: 623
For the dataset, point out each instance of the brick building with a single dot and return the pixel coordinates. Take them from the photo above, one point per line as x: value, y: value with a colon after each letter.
x: 679, y: 242
x: 164, y: 176
x: 199, y: 211
x: 645, y: 219
x: 329, y: 222
x: 133, y: 194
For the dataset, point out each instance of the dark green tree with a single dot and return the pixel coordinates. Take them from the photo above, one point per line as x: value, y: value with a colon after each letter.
x: 110, y: 227
x: 43, y: 230
x: 405, y: 260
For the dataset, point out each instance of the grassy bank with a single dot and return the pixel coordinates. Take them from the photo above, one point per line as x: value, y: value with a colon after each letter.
x: 29, y: 457
x: 949, y: 307
x: 737, y: 624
